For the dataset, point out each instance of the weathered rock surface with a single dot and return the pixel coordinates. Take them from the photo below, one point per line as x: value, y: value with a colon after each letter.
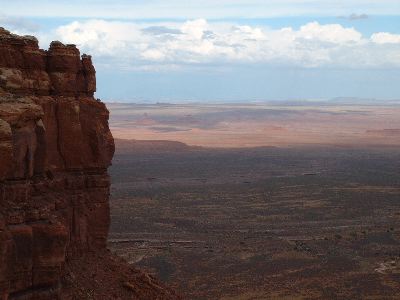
x: 55, y: 148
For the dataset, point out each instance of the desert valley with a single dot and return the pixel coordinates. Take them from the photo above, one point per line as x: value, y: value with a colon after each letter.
x: 199, y: 150
x: 259, y: 201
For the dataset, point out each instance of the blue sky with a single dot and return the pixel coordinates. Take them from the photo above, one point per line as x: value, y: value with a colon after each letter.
x: 224, y: 50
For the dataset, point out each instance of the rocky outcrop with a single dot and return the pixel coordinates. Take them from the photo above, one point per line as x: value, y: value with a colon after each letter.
x: 55, y: 147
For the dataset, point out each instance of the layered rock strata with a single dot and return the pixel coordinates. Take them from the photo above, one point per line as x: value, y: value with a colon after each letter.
x: 55, y: 147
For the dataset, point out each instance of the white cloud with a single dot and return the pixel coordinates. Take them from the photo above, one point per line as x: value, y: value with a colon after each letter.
x: 332, y: 33
x: 199, y: 42
x: 385, y: 38
x: 102, y: 37
x: 153, y: 54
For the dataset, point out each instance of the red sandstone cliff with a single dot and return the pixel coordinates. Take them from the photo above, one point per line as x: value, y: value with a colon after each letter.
x: 55, y: 147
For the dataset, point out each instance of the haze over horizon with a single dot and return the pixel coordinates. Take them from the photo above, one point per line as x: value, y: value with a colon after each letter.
x: 227, y: 51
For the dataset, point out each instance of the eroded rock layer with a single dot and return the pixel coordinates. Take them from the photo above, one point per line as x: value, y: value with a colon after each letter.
x: 55, y: 147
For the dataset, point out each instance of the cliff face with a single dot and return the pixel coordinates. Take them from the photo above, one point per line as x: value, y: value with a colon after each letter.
x: 55, y: 147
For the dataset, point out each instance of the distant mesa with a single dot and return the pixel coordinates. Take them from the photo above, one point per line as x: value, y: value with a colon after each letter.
x: 133, y: 146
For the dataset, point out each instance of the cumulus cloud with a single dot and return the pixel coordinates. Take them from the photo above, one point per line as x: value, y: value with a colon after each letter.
x: 199, y: 42
x: 332, y: 33
x: 160, y: 30
x: 385, y: 38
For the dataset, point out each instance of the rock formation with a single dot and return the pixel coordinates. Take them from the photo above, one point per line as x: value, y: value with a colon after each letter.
x: 55, y: 148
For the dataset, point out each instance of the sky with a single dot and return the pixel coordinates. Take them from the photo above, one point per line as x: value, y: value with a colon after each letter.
x: 220, y: 50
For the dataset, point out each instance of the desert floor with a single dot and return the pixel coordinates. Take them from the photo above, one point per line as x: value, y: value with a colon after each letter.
x: 312, y: 212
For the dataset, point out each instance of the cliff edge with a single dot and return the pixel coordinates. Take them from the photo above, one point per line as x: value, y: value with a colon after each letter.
x: 55, y: 148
